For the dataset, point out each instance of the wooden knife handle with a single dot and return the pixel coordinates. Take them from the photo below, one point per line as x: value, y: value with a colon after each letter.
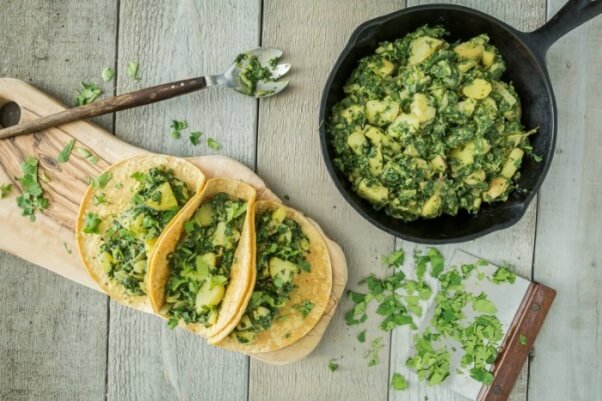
x: 110, y: 105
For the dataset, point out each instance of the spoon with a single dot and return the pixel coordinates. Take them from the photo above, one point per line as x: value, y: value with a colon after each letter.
x: 253, y: 73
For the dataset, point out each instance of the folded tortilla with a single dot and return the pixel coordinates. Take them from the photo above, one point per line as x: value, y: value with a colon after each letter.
x: 116, y: 204
x: 292, y: 311
x: 190, y: 288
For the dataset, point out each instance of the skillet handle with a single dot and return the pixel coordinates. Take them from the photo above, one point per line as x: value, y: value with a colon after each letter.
x: 573, y: 14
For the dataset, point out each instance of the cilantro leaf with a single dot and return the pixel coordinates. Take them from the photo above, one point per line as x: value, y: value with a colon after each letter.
x: 132, y: 70
x: 63, y: 157
x: 482, y: 375
x: 361, y: 337
x: 194, y: 137
x: 32, y: 199
x: 88, y: 94
x: 398, y: 382
x: 172, y: 323
x: 102, y: 180
x: 503, y: 275
x: 177, y: 127
x: 305, y: 308
x: 89, y: 156
x: 99, y: 199
x: 213, y: 144
x: 69, y: 251
x: 395, y: 259
x: 483, y: 305
x: 522, y: 339
x: 373, y: 354
x: 107, y: 74
x: 436, y: 262
x: 92, y: 223
x: 5, y: 189
x: 333, y: 365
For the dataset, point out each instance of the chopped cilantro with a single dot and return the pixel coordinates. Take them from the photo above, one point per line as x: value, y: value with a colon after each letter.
x: 522, y: 339
x: 102, y: 180
x: 172, y: 323
x: 398, y: 382
x: 361, y: 337
x: 503, y: 275
x: 69, y: 251
x: 107, y: 74
x: 5, y: 189
x: 138, y: 176
x: 305, y: 308
x: 132, y: 70
x: 195, y: 136
x: 177, y: 127
x: 63, y: 157
x: 213, y: 144
x: 483, y: 305
x: 92, y: 223
x: 333, y: 365
x: 88, y: 94
x: 89, y: 156
x: 373, y: 354
x: 32, y: 199
x: 395, y: 259
x: 482, y: 375
x: 99, y: 199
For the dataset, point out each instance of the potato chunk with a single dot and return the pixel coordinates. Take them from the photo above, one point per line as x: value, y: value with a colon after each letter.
x: 167, y: 200
x: 421, y: 108
x: 381, y: 112
x: 421, y: 48
x: 512, y: 163
x: 477, y: 89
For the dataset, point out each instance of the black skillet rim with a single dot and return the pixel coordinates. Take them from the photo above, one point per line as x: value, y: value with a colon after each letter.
x: 324, y: 144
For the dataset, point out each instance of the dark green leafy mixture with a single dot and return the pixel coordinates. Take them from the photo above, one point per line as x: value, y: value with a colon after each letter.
x: 200, y: 264
x: 125, y: 245
x: 252, y: 72
x: 427, y: 127
x: 32, y: 198
x: 398, y: 302
x: 282, y: 250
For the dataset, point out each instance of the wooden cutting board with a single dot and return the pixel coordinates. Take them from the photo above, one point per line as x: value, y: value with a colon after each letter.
x: 49, y: 242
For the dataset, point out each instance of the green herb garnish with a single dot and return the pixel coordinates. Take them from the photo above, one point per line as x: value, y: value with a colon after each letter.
x: 99, y: 199
x: 398, y: 382
x: 132, y: 70
x: 92, y: 223
x: 88, y: 94
x: 333, y: 365
x: 69, y: 251
x: 32, y: 199
x: 361, y: 337
x: 5, y: 189
x: 305, y: 308
x: 107, y: 74
x: 177, y: 127
x: 522, y: 339
x: 89, y: 156
x: 194, y: 137
x: 63, y: 157
x: 373, y: 354
x: 172, y: 323
x: 213, y: 144
x: 102, y: 180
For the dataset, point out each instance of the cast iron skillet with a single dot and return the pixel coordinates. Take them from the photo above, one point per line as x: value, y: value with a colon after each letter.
x: 525, y: 58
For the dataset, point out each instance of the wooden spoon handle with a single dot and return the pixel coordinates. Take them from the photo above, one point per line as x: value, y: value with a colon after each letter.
x: 105, y: 106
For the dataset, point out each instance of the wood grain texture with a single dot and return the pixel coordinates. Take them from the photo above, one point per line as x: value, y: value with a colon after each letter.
x: 175, y: 40
x: 288, y: 157
x: 513, y: 245
x: 568, y: 362
x: 53, y: 331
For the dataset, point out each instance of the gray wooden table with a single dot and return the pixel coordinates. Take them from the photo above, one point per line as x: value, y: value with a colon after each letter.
x: 59, y: 341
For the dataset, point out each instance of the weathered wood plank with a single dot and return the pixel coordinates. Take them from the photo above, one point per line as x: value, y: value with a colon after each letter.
x: 312, y: 34
x: 568, y: 258
x: 514, y: 245
x: 174, y: 40
x: 53, y: 331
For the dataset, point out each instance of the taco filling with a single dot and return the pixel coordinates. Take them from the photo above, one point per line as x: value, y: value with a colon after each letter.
x: 127, y: 243
x: 282, y: 250
x: 201, y: 262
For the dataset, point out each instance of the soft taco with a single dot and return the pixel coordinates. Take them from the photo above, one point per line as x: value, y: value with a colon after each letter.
x: 293, y: 284
x: 122, y: 215
x: 203, y: 270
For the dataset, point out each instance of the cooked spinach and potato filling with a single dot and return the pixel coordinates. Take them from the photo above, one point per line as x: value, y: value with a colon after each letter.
x: 428, y: 128
x: 201, y: 261
x: 282, y: 250
x: 131, y: 236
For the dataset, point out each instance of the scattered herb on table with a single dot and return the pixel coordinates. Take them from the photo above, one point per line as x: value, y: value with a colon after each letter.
x: 65, y: 154
x: 92, y: 223
x: 396, y: 259
x: 361, y: 337
x: 88, y: 94
x: 373, y: 354
x: 32, y: 199
x: 286, y: 197
x: 398, y: 382
x: 5, y: 189
x: 177, y: 127
x: 89, y: 156
x: 333, y: 365
x: 503, y: 275
x: 522, y: 339
x: 132, y: 70
x: 305, y: 308
x: 102, y: 180
x: 107, y: 74
x: 195, y: 136
x: 213, y: 144
x: 69, y: 251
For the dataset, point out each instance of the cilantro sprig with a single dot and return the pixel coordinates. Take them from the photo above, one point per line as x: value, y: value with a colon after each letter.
x: 32, y: 199
x: 65, y: 154
x: 88, y: 94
